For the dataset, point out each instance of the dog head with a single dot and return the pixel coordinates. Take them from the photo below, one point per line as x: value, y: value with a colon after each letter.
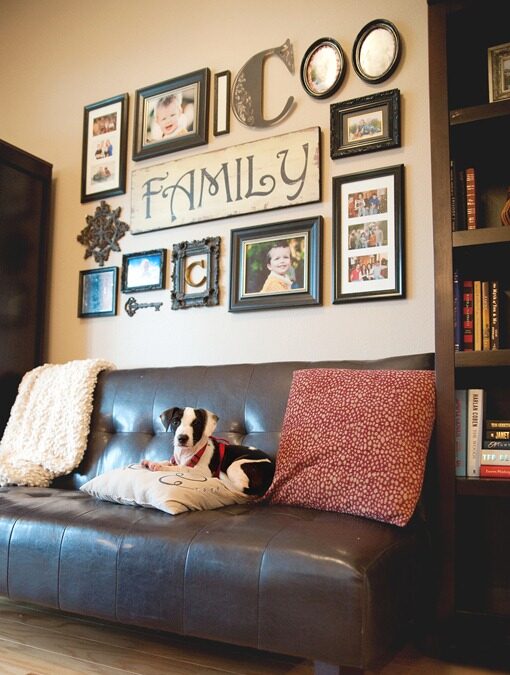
x: 191, y: 428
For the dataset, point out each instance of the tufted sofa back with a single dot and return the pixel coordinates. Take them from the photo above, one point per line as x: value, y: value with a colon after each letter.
x: 250, y: 400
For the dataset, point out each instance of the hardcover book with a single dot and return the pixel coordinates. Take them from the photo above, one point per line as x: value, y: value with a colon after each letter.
x: 497, y: 435
x: 471, y: 213
x: 497, y: 424
x: 477, y: 311
x: 460, y: 431
x: 494, y: 471
x: 494, y: 301
x: 499, y: 457
x: 467, y: 315
x: 474, y: 430
x: 486, y: 316
x: 457, y: 312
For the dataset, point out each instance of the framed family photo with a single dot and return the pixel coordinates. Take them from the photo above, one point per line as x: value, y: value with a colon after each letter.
x: 195, y: 273
x: 97, y: 295
x: 365, y: 124
x: 276, y: 266
x: 143, y: 271
x: 105, y: 127
x: 368, y: 235
x: 172, y: 115
x: 499, y: 72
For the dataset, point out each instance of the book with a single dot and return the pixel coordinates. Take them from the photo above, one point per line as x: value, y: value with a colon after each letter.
x: 475, y: 408
x: 453, y: 194
x: 460, y: 431
x: 494, y: 309
x: 467, y: 315
x: 457, y: 312
x: 471, y: 213
x: 497, y: 435
x: 486, y: 316
x: 497, y: 424
x: 501, y: 457
x: 477, y: 315
x: 494, y: 471
x: 496, y: 445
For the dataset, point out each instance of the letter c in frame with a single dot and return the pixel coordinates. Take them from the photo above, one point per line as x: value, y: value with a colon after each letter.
x: 188, y: 274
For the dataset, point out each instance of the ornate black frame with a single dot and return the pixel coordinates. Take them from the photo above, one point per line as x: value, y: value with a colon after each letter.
x: 210, y: 246
x: 358, y: 44
x: 386, y: 101
x: 322, y: 42
x: 103, y: 270
x: 126, y: 258
x: 191, y: 140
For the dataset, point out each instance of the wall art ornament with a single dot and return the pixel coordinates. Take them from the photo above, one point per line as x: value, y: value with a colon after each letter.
x: 103, y: 231
x: 132, y: 306
x: 247, y: 92
x: 195, y: 273
x: 376, y: 51
x: 323, y: 68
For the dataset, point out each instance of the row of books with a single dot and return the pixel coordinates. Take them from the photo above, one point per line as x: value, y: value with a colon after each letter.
x: 482, y: 446
x: 476, y: 314
x: 463, y: 198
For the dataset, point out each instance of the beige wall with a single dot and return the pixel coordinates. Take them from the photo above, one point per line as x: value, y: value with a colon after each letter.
x: 59, y: 55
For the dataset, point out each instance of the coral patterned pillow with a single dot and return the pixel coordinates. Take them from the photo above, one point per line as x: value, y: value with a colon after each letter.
x: 356, y: 441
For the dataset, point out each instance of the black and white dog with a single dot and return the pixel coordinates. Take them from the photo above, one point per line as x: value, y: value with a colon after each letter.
x: 248, y: 470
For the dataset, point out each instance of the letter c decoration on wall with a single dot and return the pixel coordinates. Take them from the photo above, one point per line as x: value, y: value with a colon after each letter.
x: 247, y: 98
x: 189, y: 271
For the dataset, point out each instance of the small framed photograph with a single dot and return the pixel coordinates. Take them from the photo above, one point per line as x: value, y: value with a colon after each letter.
x: 365, y: 124
x: 105, y: 127
x: 195, y: 273
x: 172, y: 115
x: 222, y: 103
x: 97, y: 294
x: 323, y: 68
x: 143, y: 271
x: 276, y: 266
x: 368, y: 235
x: 376, y: 51
x: 499, y: 72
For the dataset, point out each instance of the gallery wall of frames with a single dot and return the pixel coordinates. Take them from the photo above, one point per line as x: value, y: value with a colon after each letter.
x: 271, y: 266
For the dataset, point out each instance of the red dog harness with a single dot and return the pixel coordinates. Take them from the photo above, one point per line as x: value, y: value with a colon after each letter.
x: 222, y: 444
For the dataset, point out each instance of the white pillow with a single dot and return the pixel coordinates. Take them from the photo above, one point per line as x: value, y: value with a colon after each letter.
x: 173, y: 490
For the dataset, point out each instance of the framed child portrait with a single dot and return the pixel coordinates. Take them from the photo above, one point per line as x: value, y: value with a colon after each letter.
x: 143, y: 271
x: 276, y: 266
x: 368, y: 235
x: 172, y: 115
x: 103, y: 172
x: 97, y: 294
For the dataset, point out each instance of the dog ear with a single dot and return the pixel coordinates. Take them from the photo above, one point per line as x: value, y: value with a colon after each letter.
x: 166, y: 417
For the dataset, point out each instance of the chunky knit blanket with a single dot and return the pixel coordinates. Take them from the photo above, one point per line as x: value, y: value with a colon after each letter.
x: 46, y: 434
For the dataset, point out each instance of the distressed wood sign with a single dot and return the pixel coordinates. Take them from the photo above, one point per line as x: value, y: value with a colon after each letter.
x: 267, y: 174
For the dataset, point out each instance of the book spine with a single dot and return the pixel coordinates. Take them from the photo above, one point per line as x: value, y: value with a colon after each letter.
x: 497, y: 424
x: 453, y: 194
x: 474, y: 430
x: 494, y: 471
x: 494, y: 300
x: 471, y: 215
x: 460, y: 202
x: 486, y: 314
x: 477, y: 312
x: 496, y: 445
x: 460, y: 431
x: 501, y: 457
x: 497, y: 435
x: 467, y: 315
x: 457, y: 312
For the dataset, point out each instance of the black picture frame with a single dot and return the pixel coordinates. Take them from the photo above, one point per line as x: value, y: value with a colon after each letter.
x: 222, y: 83
x: 323, y: 68
x: 365, y: 124
x: 255, y: 286
x: 143, y: 271
x: 104, y: 148
x: 184, y: 105
x: 97, y: 295
x: 376, y: 51
x: 206, y: 255
x: 499, y: 81
x: 368, y: 235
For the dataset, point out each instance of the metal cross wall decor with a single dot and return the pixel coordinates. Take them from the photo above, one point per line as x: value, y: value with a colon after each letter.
x: 102, y: 233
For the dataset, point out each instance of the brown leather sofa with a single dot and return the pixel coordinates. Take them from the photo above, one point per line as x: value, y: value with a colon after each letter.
x: 337, y: 589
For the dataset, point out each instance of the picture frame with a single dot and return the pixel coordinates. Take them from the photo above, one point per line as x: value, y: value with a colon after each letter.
x: 222, y: 103
x: 368, y: 235
x: 323, y: 68
x: 195, y: 273
x: 376, y: 51
x: 499, y: 72
x: 104, y: 148
x: 365, y: 124
x: 172, y: 115
x: 143, y: 271
x: 276, y: 266
x: 97, y: 295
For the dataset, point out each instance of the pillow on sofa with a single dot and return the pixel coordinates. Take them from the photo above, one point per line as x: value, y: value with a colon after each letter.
x: 355, y: 441
x: 174, y: 490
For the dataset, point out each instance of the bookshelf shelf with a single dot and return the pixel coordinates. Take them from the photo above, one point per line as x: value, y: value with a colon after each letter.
x: 483, y: 359
x: 482, y: 487
x: 481, y: 236
x: 478, y: 113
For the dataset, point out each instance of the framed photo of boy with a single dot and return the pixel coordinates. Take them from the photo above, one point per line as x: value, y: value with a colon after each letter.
x: 97, y: 294
x: 143, y: 271
x: 276, y: 266
x: 172, y: 115
x: 368, y: 235
x: 365, y: 124
x: 105, y: 127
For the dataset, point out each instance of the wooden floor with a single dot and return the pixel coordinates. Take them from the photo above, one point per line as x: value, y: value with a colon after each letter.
x: 43, y: 642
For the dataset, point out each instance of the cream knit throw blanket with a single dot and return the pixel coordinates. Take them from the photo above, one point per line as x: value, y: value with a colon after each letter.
x: 47, y: 431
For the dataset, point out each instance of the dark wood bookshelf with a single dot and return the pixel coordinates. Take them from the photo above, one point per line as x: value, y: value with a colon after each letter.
x: 478, y: 113
x: 483, y: 359
x: 481, y: 236
x: 483, y: 487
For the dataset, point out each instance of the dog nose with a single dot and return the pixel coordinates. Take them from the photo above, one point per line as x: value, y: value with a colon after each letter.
x: 182, y: 438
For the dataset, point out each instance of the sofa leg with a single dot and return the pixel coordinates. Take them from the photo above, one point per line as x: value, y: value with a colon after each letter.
x: 321, y: 668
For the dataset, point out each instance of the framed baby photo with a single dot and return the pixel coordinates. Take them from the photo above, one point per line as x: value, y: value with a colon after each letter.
x: 276, y: 266
x: 143, y: 271
x: 195, y: 273
x: 368, y: 235
x: 172, y: 115
x: 105, y: 127
x: 365, y: 124
x: 97, y: 295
